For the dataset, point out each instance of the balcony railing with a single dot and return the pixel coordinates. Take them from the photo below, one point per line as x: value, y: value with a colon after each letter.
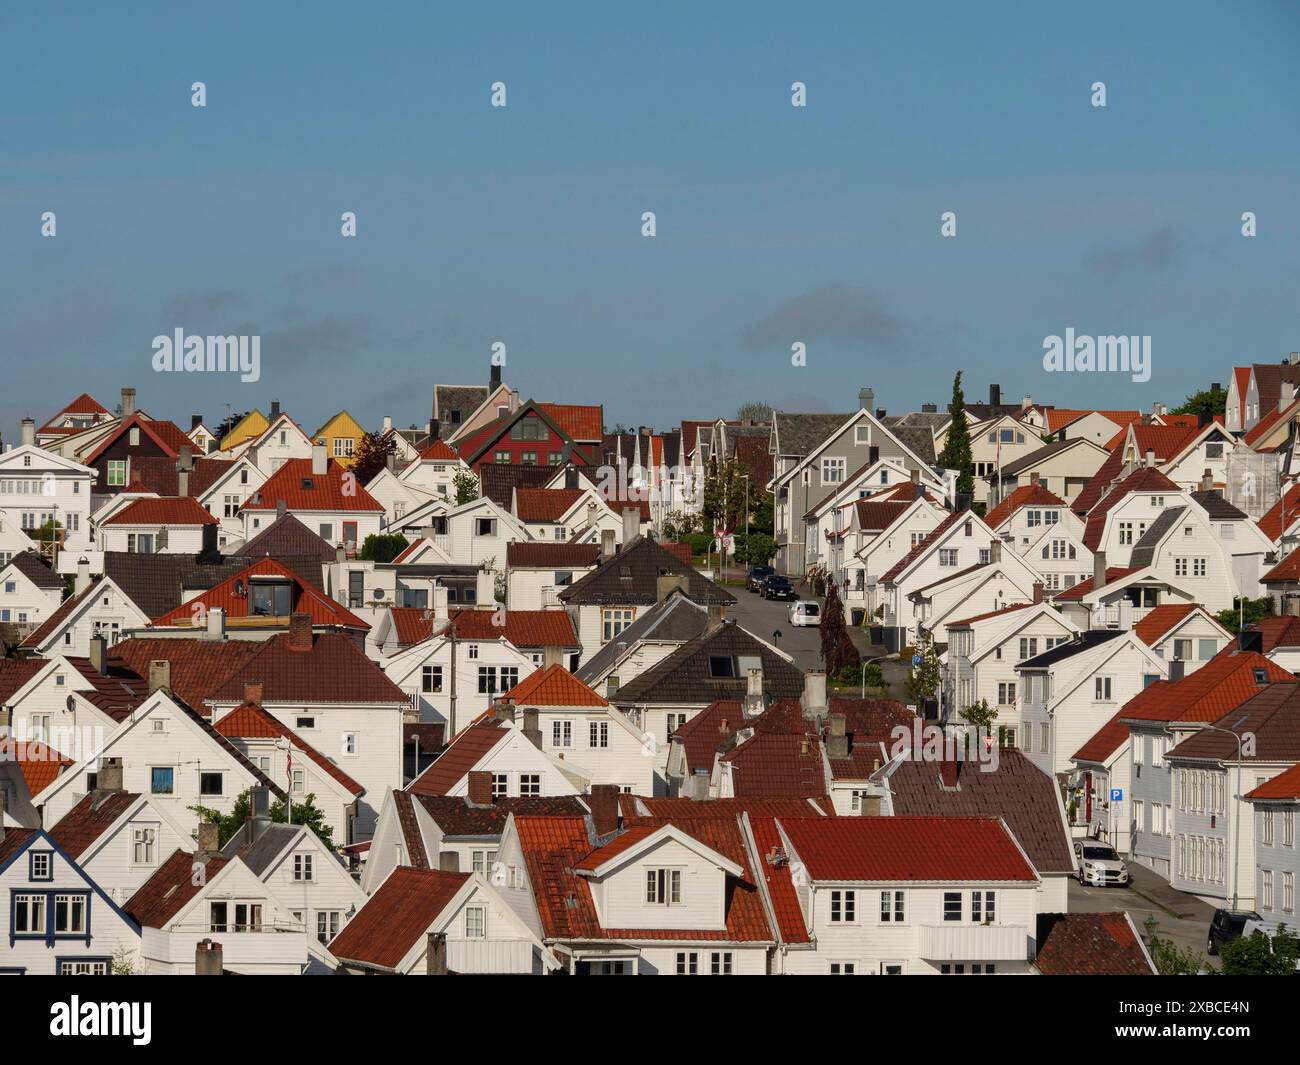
x: 974, y: 942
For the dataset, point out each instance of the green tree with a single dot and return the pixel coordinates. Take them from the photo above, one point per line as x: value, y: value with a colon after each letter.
x: 724, y: 495
x: 838, y: 652
x: 304, y: 812
x: 383, y: 547
x: 1198, y: 401
x: 1172, y: 960
x: 1251, y: 611
x: 957, y: 448
x: 756, y: 411
x: 1258, y: 955
x: 756, y: 549
x: 466, y: 485
x: 981, y: 715
x: 924, y: 679
x: 372, y: 456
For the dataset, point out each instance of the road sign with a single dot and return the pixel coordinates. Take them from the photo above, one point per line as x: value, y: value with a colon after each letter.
x: 917, y: 660
x: 1116, y: 794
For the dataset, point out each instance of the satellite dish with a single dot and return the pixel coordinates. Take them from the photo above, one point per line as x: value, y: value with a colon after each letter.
x: 71, y: 704
x: 378, y: 593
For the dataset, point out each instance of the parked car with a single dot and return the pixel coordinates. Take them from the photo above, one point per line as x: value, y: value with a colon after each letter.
x: 805, y: 612
x: 757, y: 575
x: 1098, y: 863
x: 778, y: 587
x: 1228, y: 925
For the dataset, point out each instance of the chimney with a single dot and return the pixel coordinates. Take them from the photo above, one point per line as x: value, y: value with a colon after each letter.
x: 259, y: 813
x: 435, y: 954
x: 631, y: 525
x: 837, y: 743
x: 108, y: 779
x: 603, y: 800
x: 869, y: 806
x: 182, y: 483
x: 82, y: 581
x: 485, y: 592
x: 479, y: 790
x: 1033, y: 478
x: 995, y: 550
x: 814, y: 693
x: 449, y: 861
x: 215, y: 627
x: 209, y: 838
x: 606, y: 544
x: 1098, y: 570
x: 275, y: 409
x: 439, y: 604
x: 207, y: 958
x: 532, y: 727
x: 29, y: 432
x: 494, y: 377
x: 504, y: 709
x: 281, y: 507
x: 1176, y: 668
x: 186, y: 459
x: 1026, y: 402
x: 915, y: 476
x: 319, y: 460
x: 1294, y: 358
x: 929, y: 408
x: 388, y: 423
x: 666, y: 583
x: 160, y: 675
x: 866, y: 399
x: 1151, y: 458
x: 552, y: 655
x: 753, y: 704
x: 128, y: 402
x: 873, y: 455
x: 253, y: 693
x: 99, y: 655
x: 299, y: 632
x: 715, y: 614
x: 209, y: 554
x: 195, y: 421
x: 1207, y: 481
x: 570, y: 477
x: 1038, y: 591
x: 995, y: 396
x: 1203, y: 417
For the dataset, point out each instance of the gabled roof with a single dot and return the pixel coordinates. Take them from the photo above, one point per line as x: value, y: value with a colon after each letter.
x: 936, y: 534
x: 1271, y: 719
x: 288, y: 538
x: 553, y: 686
x: 249, y: 721
x: 777, y: 765
x: 1143, y: 479
x: 171, y: 888
x: 545, y: 504
x: 1001, y: 612
x: 1162, y: 620
x: 168, y: 436
x: 798, y: 434
x: 1047, y: 451
x: 39, y: 763
x: 497, y: 481
x: 233, y: 595
x: 158, y: 474
x: 902, y: 849
x: 1286, y: 570
x: 676, y: 620
x: 94, y: 815
x: 1085, y: 587
x: 582, y: 422
x: 35, y: 569
x: 300, y: 489
x: 1286, y: 785
x: 523, y: 628
x: 83, y: 404
x: 876, y: 516
x: 1219, y: 687
x: 1090, y: 944
x: 396, y: 917
x: 55, y: 621
x: 1059, y: 417
x: 198, y: 666
x: 332, y: 670
x: 456, y: 816
x: 185, y: 510
x: 438, y: 451
x: 631, y: 578
x: 539, y: 555
x: 159, y: 583
x: 1030, y: 495
x: 1216, y: 507
x: 469, y: 747
x: 570, y: 418
x: 1271, y: 524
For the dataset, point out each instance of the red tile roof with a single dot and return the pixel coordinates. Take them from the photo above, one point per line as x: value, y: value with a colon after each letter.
x: 990, y: 614
x: 165, y: 894
x: 39, y: 763
x: 83, y: 404
x: 300, y: 489
x: 1286, y: 785
x: 777, y: 765
x: 920, y: 549
x: 1219, y: 686
x: 332, y: 670
x: 1162, y: 620
x: 948, y: 849
x: 545, y: 504
x: 557, y: 556
x: 583, y: 423
x: 1059, y: 417
x: 523, y: 628
x: 439, y: 451
x: 1029, y: 495
x: 396, y: 917
x: 233, y: 595
x: 553, y: 686
x: 1113, y: 574
x: 1143, y: 479
x: 249, y: 721
x: 779, y: 881
x: 670, y: 806
x: 469, y: 747
x: 89, y: 819
x: 1271, y: 523
x: 163, y: 511
x: 1277, y: 631
x: 1286, y: 570
x: 1090, y: 944
x: 198, y: 665
x: 1267, y: 422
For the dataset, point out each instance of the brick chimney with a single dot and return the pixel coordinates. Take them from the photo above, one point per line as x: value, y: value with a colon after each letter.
x: 128, y: 402
x: 480, y: 788
x: 253, y: 693
x: 1038, y: 591
x: 435, y: 954
x: 209, y: 837
x: 603, y: 801
x: 300, y: 632
x: 160, y: 675
x: 208, y: 958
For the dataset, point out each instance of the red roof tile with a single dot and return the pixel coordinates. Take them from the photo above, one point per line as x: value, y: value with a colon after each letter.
x: 163, y: 511
x: 779, y: 880
x: 166, y: 435
x: 439, y: 451
x: 523, y: 628
x: 300, y: 489
x: 557, y: 556
x: 89, y: 819
x: 1161, y: 620
x: 948, y: 849
x: 233, y: 596
x: 1271, y: 523
x: 470, y: 746
x: 396, y: 917
x: 1029, y: 495
x: 1143, y: 479
x: 583, y: 423
x: 1089, y: 944
x: 990, y: 614
x: 1221, y: 685
x: 1113, y: 574
x: 772, y: 765
x: 83, y: 404
x: 553, y: 686
x: 1286, y: 785
x: 165, y: 894
x: 332, y: 670
x: 39, y: 763
x: 545, y: 504
x: 1286, y: 570
x: 198, y: 665
x: 249, y: 721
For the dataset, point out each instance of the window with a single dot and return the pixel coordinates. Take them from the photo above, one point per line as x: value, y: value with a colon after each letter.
x: 487, y: 680
x: 1266, y: 889
x: 234, y: 916
x: 844, y: 907
x: 843, y: 968
x: 305, y: 722
x: 1267, y: 822
x: 161, y: 780
x: 832, y: 470
x: 1288, y: 892
x: 599, y: 733
x: 210, y: 784
x: 722, y: 666
x: 947, y: 556
x: 327, y: 925
x: 675, y: 721
x: 1006, y: 693
x: 349, y: 743
x: 475, y: 922
x: 952, y: 906
x: 892, y: 907
x: 720, y: 963
x: 1044, y: 737
x: 688, y: 963
x: 431, y: 679
x: 1101, y: 689
x: 530, y: 783
x: 500, y: 785
x: 483, y: 861
x: 561, y: 733
x: 614, y: 621
x: 1288, y: 828
x: 40, y: 866
x: 85, y: 967
x: 116, y: 472
x: 983, y: 907
x: 304, y: 868
x: 144, y: 840
x: 663, y: 887
x: 297, y: 785
x: 485, y: 526
x: 70, y: 913
x: 1028, y: 647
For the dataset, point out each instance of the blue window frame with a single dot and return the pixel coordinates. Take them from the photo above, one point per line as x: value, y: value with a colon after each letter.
x: 40, y: 865
x: 57, y: 906
x: 162, y: 780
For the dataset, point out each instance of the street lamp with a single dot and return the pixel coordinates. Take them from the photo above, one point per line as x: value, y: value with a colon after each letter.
x: 1235, y: 799
x: 776, y: 638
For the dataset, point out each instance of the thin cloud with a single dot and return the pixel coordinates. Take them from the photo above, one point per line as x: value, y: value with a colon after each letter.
x: 836, y: 312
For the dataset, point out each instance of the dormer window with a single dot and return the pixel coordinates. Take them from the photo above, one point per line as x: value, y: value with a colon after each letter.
x: 663, y: 887
x: 722, y: 667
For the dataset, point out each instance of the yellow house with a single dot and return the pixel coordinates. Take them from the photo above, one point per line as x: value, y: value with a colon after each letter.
x: 341, y: 436
x: 249, y: 427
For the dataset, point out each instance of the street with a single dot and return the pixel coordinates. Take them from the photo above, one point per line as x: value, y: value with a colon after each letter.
x: 1188, y: 929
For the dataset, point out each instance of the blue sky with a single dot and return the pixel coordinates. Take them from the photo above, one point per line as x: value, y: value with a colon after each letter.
x: 522, y: 224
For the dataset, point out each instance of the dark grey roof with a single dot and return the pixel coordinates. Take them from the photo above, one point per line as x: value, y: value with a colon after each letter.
x: 631, y: 577
x: 498, y: 480
x: 1084, y: 641
x: 287, y: 537
x: 1144, y: 551
x: 1217, y: 507
x: 1017, y: 791
x: 463, y: 398
x: 34, y: 568
x: 1011, y: 469
x: 684, y: 677
x: 672, y: 444
x: 259, y: 854
x: 800, y: 434
x: 157, y: 583
x: 918, y: 439
x: 675, y: 620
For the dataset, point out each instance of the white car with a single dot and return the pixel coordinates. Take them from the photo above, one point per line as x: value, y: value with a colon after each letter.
x: 1099, y: 865
x: 805, y: 612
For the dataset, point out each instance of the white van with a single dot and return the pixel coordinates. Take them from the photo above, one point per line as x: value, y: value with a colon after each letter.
x: 805, y: 612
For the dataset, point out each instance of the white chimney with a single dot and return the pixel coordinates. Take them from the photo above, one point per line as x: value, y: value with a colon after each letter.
x: 631, y: 525
x: 319, y: 460
x: 216, y: 624
x: 29, y: 432
x: 388, y: 423
x: 82, y: 581
x: 814, y: 693
x: 485, y: 590
x: 439, y: 604
x: 128, y: 402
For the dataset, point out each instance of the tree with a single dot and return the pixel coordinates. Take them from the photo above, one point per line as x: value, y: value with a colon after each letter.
x: 756, y: 549
x: 382, y: 547
x: 724, y: 495
x: 956, y: 449
x: 466, y: 485
x: 923, y: 680
x: 981, y: 715
x: 1259, y: 955
x: 1250, y: 611
x: 838, y: 652
x: 372, y: 456
x: 304, y: 812
x: 755, y: 411
x: 1198, y: 401
x: 1172, y: 960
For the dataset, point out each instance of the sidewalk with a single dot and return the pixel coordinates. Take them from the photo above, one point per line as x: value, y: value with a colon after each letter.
x: 1157, y: 891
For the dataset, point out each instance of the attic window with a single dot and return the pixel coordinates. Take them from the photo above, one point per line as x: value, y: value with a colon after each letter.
x: 723, y: 666
x: 308, y: 483
x: 1261, y: 677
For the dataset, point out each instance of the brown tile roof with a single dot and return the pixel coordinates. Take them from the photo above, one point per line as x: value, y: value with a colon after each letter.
x: 89, y: 819
x: 165, y: 894
x: 873, y: 516
x: 396, y: 917
x: 250, y: 721
x: 300, y: 489
x: 583, y: 423
x: 777, y: 765
x: 55, y: 621
x: 159, y: 583
x: 288, y: 538
x: 15, y: 672
x: 553, y: 556
x: 668, y: 807
x: 158, y: 474
x: 36, y: 569
x: 1090, y: 944
x: 465, y: 751
x: 498, y: 480
x: 456, y: 817
x: 523, y: 628
x: 545, y: 504
x: 162, y: 511
x: 1271, y: 719
x: 198, y: 666
x: 333, y: 670
x: 631, y: 578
